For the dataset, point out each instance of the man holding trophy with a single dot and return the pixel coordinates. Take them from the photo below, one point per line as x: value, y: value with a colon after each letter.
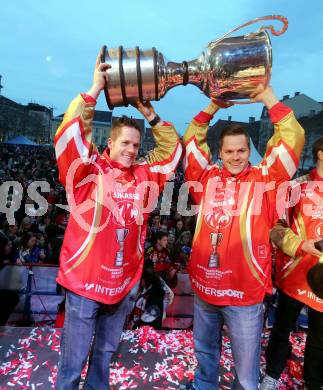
x: 102, y: 255
x: 230, y: 264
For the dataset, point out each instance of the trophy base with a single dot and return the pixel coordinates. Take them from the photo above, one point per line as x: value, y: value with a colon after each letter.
x: 214, y: 261
x: 118, y: 261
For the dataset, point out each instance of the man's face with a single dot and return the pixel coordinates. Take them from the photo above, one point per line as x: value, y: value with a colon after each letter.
x: 32, y: 242
x: 319, y: 157
x: 179, y: 225
x: 124, y: 149
x: 235, y: 153
x: 163, y: 242
x: 171, y: 240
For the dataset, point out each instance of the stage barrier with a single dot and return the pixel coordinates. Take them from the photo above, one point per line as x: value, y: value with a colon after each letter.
x: 36, y: 285
x: 39, y: 295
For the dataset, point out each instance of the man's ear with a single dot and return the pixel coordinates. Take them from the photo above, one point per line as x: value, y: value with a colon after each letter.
x: 109, y: 142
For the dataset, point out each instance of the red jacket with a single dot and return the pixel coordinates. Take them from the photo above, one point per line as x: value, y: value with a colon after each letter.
x: 306, y: 222
x: 102, y: 253
x: 229, y: 214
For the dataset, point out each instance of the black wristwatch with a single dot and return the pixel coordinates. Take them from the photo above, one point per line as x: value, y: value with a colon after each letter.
x: 154, y: 121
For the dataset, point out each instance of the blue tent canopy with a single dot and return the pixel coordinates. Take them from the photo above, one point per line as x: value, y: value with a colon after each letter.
x: 21, y: 140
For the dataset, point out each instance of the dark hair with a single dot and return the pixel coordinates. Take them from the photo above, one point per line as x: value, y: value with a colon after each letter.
x: 160, y: 234
x: 6, y: 226
x: 119, y: 123
x: 3, y: 242
x: 25, y: 238
x: 317, y: 147
x: 43, y: 217
x: 234, y: 129
x: 52, y: 231
x: 149, y: 275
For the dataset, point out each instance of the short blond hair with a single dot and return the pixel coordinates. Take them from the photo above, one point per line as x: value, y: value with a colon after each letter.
x: 119, y: 123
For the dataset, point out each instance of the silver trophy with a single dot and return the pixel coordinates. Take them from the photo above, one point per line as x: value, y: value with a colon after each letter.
x: 121, y: 237
x: 228, y: 68
x: 214, y: 259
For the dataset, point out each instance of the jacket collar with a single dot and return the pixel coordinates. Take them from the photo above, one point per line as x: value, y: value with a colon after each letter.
x: 126, y: 175
x: 112, y: 163
x: 226, y: 174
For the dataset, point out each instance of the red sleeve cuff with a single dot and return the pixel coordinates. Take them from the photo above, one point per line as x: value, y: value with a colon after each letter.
x: 278, y: 112
x: 165, y: 123
x: 203, y: 117
x: 88, y: 98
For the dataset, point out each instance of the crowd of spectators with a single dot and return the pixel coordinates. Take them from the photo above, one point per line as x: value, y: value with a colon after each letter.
x: 32, y: 238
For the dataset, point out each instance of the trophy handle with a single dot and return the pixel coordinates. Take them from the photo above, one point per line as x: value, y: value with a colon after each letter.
x: 271, y: 28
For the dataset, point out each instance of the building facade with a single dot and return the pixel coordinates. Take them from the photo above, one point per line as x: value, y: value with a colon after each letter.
x: 147, y: 142
x: 102, y: 122
x: 32, y: 120
x: 100, y: 130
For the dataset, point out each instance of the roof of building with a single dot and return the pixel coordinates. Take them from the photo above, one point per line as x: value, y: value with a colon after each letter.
x: 252, y: 128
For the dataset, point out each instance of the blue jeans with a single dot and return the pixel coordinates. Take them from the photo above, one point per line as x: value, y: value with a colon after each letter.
x: 244, y: 325
x: 83, y: 319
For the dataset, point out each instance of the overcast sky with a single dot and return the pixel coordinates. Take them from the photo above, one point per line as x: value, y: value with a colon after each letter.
x: 48, y: 48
